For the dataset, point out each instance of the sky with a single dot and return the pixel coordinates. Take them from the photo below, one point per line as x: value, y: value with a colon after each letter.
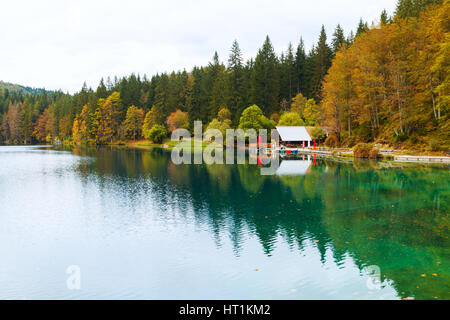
x: 62, y: 44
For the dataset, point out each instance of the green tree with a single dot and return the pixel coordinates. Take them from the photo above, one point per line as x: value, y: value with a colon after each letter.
x: 253, y: 118
x: 412, y: 8
x: 222, y: 126
x: 235, y: 80
x: 288, y: 74
x: 384, y: 19
x: 156, y: 134
x: 224, y: 114
x: 362, y: 27
x: 154, y: 116
x: 289, y: 119
x: 216, y: 85
x: 301, y: 76
x: 322, y: 62
x: 265, y: 81
x: 338, y: 39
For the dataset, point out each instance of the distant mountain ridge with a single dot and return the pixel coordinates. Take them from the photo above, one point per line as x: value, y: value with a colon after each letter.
x: 19, y: 88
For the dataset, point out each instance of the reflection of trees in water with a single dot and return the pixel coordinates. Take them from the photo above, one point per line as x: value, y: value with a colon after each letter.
x: 396, y: 218
x: 383, y: 218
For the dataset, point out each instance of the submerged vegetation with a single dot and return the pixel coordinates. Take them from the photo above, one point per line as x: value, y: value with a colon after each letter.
x: 387, y: 84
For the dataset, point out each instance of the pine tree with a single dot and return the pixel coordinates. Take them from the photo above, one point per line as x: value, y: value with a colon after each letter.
x: 216, y: 86
x: 322, y: 62
x: 288, y: 74
x: 162, y: 95
x: 265, y: 81
x: 412, y: 8
x: 338, y: 39
x: 198, y: 99
x: 362, y: 27
x: 384, y: 19
x: 102, y: 92
x: 300, y: 69
x: 235, y: 80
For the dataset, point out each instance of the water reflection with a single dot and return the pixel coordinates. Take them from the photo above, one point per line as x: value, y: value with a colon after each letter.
x: 392, y: 216
x: 136, y: 211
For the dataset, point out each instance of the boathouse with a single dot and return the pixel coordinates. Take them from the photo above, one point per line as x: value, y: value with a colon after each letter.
x: 294, y: 137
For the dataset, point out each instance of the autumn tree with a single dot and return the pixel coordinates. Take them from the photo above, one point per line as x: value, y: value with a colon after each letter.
x: 311, y: 113
x: 133, y: 123
x: 40, y: 130
x: 177, y: 120
x: 298, y: 104
x: 108, y: 118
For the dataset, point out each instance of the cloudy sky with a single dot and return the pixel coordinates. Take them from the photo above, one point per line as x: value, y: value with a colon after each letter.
x: 60, y: 44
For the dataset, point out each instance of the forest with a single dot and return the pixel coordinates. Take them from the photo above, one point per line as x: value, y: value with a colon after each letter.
x: 386, y: 83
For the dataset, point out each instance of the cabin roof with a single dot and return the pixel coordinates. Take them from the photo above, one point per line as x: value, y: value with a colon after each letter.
x: 294, y: 134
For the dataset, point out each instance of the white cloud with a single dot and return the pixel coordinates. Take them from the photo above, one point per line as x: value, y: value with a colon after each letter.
x: 61, y: 44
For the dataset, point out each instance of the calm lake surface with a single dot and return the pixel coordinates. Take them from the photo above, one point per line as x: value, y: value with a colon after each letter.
x: 139, y: 227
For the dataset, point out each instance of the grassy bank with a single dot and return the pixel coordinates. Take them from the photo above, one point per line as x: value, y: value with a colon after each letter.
x: 167, y: 144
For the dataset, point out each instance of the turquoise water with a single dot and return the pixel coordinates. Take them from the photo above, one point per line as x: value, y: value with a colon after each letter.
x: 139, y: 227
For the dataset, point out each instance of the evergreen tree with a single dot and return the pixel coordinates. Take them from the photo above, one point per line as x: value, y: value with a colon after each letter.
x: 384, y: 19
x: 288, y: 74
x: 322, y: 62
x: 198, y: 99
x: 162, y: 96
x: 338, y: 39
x: 102, y: 92
x: 216, y: 86
x: 362, y: 27
x: 265, y: 81
x: 412, y: 8
x: 235, y: 80
x: 300, y: 69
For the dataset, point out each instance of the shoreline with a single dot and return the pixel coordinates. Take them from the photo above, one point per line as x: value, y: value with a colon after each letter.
x: 399, y: 156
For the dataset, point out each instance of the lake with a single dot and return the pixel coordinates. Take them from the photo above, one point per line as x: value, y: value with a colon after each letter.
x: 133, y: 225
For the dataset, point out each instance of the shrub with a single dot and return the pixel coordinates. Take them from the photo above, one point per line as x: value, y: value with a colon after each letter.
x: 362, y: 150
x: 437, y: 145
x: 156, y: 134
x: 351, y: 141
x: 374, y: 153
x: 317, y: 133
x: 331, y: 141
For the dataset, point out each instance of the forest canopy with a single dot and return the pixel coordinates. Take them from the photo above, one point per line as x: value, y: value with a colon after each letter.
x: 387, y: 83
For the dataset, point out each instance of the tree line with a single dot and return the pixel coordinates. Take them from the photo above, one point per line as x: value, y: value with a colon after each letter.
x: 295, y: 87
x: 392, y: 84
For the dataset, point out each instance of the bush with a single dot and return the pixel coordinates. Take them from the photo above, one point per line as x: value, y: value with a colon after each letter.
x: 437, y: 145
x: 374, y: 153
x: 351, y: 142
x: 331, y: 141
x: 317, y: 133
x: 362, y: 150
x: 156, y: 134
